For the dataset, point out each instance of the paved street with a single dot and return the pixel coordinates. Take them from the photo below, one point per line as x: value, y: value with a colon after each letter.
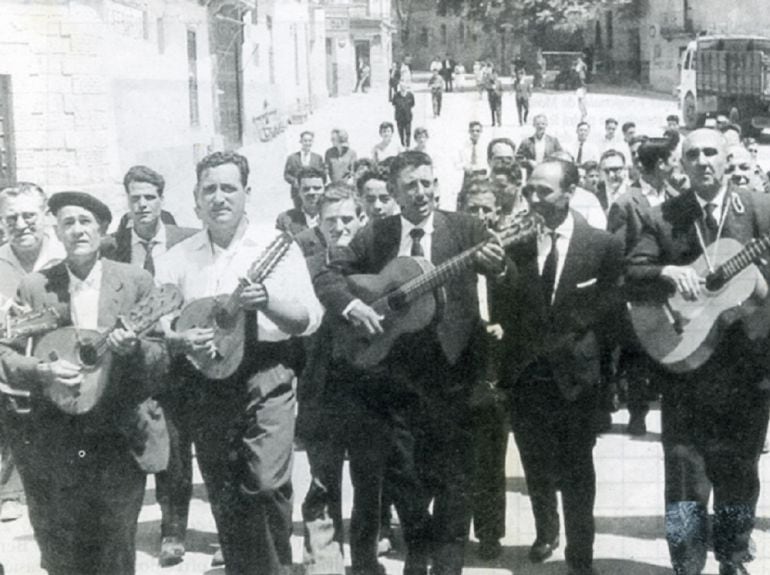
x: 630, y: 536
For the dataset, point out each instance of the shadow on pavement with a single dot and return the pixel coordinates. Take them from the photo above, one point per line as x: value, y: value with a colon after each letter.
x: 148, y: 540
x: 642, y: 527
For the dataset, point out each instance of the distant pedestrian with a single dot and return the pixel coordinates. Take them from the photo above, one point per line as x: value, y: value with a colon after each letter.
x: 364, y: 72
x: 523, y: 89
x: 435, y: 65
x: 495, y: 97
x: 436, y: 85
x: 339, y: 159
x: 406, y: 73
x: 387, y: 147
x: 447, y: 71
x: 479, y: 71
x: 393, y: 80
x: 580, y: 71
x: 403, y: 102
x: 421, y: 140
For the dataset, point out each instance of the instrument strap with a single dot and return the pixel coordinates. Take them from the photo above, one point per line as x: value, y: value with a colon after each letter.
x: 726, y: 205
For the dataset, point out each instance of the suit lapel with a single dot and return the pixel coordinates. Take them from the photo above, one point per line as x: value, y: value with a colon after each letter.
x: 391, y: 240
x: 442, y: 242
x: 110, y: 294
x: 576, y: 251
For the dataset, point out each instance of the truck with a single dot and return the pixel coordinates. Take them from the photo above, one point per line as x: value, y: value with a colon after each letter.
x: 722, y: 72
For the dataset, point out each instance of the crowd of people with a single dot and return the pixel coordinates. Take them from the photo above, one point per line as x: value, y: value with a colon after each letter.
x: 405, y: 338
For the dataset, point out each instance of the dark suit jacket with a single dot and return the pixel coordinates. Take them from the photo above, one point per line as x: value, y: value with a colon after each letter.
x: 629, y: 214
x: 124, y: 408
x: 292, y: 221
x: 294, y: 165
x: 527, y: 147
x: 671, y: 239
x: 378, y: 243
x: 118, y: 245
x: 585, y: 296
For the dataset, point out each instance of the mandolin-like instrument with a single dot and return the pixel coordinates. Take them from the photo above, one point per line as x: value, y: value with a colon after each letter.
x: 407, y: 293
x: 89, y: 349
x: 680, y: 334
x: 224, y: 314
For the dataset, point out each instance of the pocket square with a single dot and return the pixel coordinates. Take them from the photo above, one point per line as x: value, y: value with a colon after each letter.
x: 586, y: 283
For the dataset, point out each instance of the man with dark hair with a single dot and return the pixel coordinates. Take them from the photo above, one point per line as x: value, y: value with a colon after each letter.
x: 84, y: 475
x: 629, y: 131
x: 591, y: 176
x: 471, y: 156
x: 340, y: 158
x: 242, y: 426
x: 539, y: 146
x: 614, y: 178
x: 584, y: 150
x: 672, y: 122
x: 627, y: 217
x: 422, y: 387
x: 610, y: 139
x: 403, y: 103
x: 305, y: 158
x: 523, y: 88
x: 141, y: 244
x: 706, y: 446
x: 311, y: 185
x: 553, y: 320
x: 373, y: 191
x: 143, y: 175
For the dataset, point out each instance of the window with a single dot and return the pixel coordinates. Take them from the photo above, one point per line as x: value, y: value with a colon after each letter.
x: 608, y: 28
x: 443, y: 33
x: 192, y: 68
x: 161, y: 36
x: 424, y: 36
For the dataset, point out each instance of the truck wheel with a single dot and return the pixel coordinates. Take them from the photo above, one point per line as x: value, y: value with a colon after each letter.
x: 690, y: 112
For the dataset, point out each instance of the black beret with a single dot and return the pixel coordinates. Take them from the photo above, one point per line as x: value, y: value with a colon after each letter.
x: 86, y: 201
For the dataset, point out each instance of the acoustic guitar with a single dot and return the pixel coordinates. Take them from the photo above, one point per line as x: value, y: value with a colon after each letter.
x: 89, y: 349
x: 224, y: 314
x: 681, y: 335
x: 408, y: 292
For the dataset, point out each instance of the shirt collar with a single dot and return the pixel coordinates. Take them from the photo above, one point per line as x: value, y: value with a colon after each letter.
x: 92, y: 281
x: 202, y: 240
x: 719, y: 199
x: 565, y: 229
x: 158, y: 238
x: 426, y: 225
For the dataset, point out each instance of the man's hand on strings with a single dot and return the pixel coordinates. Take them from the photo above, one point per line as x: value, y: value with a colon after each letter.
x: 686, y: 279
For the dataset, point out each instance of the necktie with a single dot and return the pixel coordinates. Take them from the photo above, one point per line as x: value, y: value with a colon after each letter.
x: 474, y: 155
x: 712, y: 226
x: 417, y: 234
x: 579, y: 159
x: 149, y: 262
x: 549, y: 269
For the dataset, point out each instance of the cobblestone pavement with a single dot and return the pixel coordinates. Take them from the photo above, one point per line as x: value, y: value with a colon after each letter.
x: 630, y: 537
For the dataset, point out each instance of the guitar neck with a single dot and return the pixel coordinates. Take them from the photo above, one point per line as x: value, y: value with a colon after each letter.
x: 438, y: 276
x: 740, y: 261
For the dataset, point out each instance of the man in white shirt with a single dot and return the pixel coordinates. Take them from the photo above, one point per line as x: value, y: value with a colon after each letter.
x: 243, y: 426
x: 614, y: 178
x: 611, y: 140
x: 583, y: 150
x: 472, y: 156
x: 31, y: 246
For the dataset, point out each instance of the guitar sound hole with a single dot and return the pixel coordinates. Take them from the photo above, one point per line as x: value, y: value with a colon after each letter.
x: 88, y: 355
x: 397, y: 302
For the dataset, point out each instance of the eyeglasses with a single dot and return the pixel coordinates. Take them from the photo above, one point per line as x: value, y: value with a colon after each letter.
x: 754, y: 150
x: 613, y: 170
x: 28, y: 217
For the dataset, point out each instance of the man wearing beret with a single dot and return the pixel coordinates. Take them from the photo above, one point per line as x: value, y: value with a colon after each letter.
x: 84, y: 475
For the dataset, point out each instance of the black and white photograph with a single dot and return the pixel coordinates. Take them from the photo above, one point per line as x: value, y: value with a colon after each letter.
x: 384, y: 287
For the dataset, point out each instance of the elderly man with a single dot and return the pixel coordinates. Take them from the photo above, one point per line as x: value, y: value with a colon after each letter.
x: 553, y: 322
x: 141, y: 244
x: 706, y: 446
x: 84, y: 475
x: 242, y: 426
x: 32, y: 246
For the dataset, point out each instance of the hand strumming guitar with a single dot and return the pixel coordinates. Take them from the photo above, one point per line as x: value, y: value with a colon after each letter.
x: 61, y: 379
x: 361, y: 315
x: 193, y: 341
x: 491, y: 258
x: 123, y: 341
x: 685, y: 279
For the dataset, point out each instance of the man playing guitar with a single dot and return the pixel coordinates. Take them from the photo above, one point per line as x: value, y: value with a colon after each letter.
x: 242, y: 426
x: 714, y: 417
x: 423, y: 386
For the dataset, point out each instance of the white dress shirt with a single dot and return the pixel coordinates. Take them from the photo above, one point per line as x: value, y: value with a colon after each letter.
x: 588, y: 205
x: 540, y: 149
x: 84, y: 298
x: 304, y: 158
x: 654, y: 197
x: 563, y: 237
x: 718, y: 201
x: 138, y: 251
x: 381, y: 152
x: 199, y: 268
x: 405, y: 247
x: 467, y: 161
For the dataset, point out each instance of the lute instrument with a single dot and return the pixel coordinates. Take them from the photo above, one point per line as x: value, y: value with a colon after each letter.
x: 408, y: 291
x: 223, y: 314
x: 89, y: 349
x: 681, y: 335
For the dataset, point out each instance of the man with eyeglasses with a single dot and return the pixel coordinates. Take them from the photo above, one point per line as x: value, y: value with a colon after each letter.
x: 553, y: 321
x: 613, y: 173
x: 714, y: 418
x: 32, y: 246
x: 311, y: 186
x: 743, y: 171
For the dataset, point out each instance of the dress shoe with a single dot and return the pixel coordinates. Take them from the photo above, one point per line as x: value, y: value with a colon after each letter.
x: 489, y: 549
x: 542, y: 550
x: 11, y: 510
x: 171, y: 551
x: 636, y: 425
x: 379, y: 569
x: 732, y: 569
x: 582, y: 571
x: 218, y: 559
